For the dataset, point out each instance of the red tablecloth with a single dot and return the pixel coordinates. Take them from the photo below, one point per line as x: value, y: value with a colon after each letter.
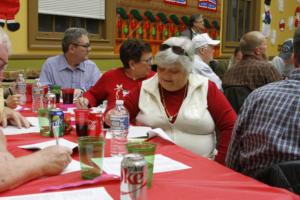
x: 205, y: 180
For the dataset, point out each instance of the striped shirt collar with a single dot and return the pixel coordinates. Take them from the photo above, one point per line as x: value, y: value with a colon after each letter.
x: 63, y: 64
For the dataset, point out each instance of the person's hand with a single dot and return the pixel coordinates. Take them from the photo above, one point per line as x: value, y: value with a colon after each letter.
x: 78, y: 93
x: 54, y: 159
x: 13, y: 87
x: 82, y: 102
x: 13, y: 117
x: 107, y: 118
x: 13, y: 101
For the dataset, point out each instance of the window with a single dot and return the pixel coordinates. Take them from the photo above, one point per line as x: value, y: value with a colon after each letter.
x: 48, y: 23
x: 239, y: 17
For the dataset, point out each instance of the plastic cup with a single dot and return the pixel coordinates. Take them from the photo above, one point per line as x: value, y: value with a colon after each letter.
x: 81, y: 121
x: 67, y: 95
x: 147, y: 149
x: 56, y: 89
x: 91, y: 151
x: 29, y: 93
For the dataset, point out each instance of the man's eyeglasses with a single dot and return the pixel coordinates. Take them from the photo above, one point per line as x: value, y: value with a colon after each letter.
x: 148, y: 61
x: 87, y: 45
x: 176, y: 49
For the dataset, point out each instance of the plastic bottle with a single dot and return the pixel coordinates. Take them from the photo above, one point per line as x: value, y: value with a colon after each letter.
x: 119, y: 118
x: 21, y: 88
x: 37, y: 96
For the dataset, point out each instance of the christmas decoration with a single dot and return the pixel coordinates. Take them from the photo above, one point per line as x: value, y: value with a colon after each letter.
x: 8, y: 10
x: 297, y: 17
x: 266, y: 26
x: 281, y: 24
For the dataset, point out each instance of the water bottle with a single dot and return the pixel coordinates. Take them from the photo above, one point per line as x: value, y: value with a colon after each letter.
x: 21, y: 88
x: 50, y: 98
x: 119, y: 118
x: 37, y: 96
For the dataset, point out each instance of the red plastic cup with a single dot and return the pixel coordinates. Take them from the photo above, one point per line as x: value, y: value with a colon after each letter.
x: 82, y: 121
x: 45, y: 89
x: 67, y: 95
x: 28, y: 93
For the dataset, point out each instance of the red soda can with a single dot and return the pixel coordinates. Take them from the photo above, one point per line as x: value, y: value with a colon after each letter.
x: 95, y: 123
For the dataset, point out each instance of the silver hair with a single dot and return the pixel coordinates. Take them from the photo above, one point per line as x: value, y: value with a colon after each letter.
x: 72, y: 35
x: 4, y: 39
x: 167, y: 58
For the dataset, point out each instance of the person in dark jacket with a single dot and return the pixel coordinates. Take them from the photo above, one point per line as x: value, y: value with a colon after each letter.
x: 196, y: 26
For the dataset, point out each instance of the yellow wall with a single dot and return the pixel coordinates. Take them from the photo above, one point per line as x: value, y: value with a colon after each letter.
x: 19, y: 38
x: 289, y: 10
x: 20, y: 43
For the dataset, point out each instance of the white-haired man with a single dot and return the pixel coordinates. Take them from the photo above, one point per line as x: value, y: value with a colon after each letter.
x: 204, y: 51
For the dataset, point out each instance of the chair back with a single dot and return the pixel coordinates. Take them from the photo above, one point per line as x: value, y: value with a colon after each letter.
x: 284, y: 175
x: 236, y: 95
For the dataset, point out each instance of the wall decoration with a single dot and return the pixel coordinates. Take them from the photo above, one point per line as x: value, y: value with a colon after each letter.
x: 281, y: 24
x: 280, y: 5
x: 273, y: 37
x: 177, y: 2
x: 8, y: 10
x: 208, y: 5
x: 267, y: 18
x: 291, y: 23
x: 297, y: 17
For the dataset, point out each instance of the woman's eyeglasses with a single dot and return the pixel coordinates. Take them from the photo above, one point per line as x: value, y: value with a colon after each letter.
x: 176, y: 49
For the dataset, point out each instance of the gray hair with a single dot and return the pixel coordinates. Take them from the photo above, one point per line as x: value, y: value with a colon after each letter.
x: 4, y: 39
x: 72, y: 35
x: 167, y: 57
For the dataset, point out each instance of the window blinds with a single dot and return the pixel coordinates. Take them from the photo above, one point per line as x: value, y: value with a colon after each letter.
x: 94, y: 9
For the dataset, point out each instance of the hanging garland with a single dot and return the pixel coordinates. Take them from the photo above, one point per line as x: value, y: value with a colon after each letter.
x: 185, y: 20
x: 136, y: 14
x: 122, y: 13
x: 162, y: 17
x: 207, y: 24
x: 149, y: 16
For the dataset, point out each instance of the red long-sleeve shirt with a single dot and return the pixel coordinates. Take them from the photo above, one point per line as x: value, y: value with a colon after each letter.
x: 218, y: 106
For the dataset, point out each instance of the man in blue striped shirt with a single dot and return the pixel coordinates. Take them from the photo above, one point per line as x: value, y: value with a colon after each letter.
x: 71, y: 69
x: 268, y: 129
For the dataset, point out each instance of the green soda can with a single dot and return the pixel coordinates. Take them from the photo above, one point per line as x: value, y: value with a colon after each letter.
x: 56, y: 116
x: 44, y: 123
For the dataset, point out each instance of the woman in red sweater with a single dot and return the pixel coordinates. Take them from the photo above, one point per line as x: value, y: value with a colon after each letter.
x: 187, y: 106
x: 136, y: 58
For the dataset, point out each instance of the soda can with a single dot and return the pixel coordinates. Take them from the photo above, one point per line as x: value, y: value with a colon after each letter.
x: 95, y: 123
x: 133, y: 177
x: 56, y: 116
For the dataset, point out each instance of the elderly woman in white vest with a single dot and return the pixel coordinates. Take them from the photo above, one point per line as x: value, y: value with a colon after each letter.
x: 187, y: 106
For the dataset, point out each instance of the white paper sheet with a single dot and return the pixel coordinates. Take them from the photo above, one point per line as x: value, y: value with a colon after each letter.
x: 112, y: 165
x: 42, y: 145
x: 143, y: 132
x: 73, y: 166
x: 82, y: 194
x: 12, y: 130
x: 138, y: 131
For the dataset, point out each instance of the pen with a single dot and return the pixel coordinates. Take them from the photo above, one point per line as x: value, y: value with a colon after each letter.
x: 55, y: 128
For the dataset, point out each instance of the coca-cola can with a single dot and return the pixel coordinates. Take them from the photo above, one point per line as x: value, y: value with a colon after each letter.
x: 133, y: 177
x: 95, y: 123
